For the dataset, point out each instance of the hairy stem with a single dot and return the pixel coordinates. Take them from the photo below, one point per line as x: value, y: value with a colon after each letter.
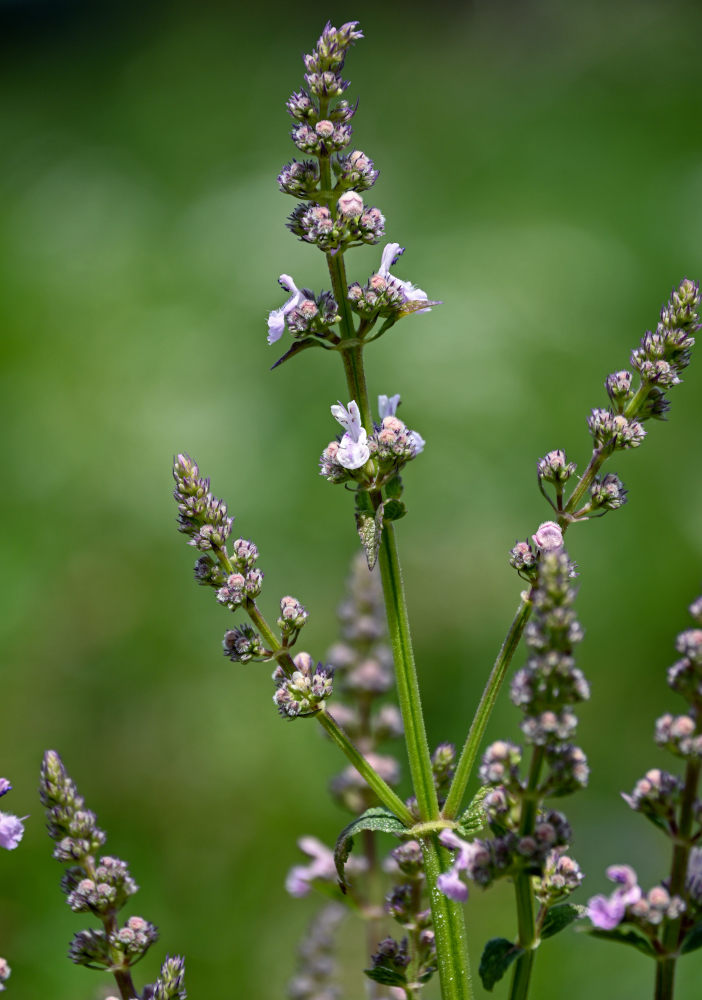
x: 450, y: 931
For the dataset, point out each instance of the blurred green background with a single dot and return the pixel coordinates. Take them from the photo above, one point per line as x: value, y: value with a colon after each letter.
x: 542, y: 164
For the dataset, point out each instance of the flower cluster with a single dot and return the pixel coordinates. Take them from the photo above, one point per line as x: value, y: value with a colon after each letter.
x: 670, y: 911
x: 97, y: 885
x: 315, y: 975
x: 370, y: 460
x: 527, y: 840
x: 332, y: 213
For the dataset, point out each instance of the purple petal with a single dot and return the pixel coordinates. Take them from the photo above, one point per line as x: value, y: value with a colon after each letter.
x: 606, y: 913
x: 450, y: 884
x: 11, y: 831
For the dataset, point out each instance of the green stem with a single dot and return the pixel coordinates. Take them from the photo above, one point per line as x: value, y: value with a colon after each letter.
x: 448, y: 921
x: 464, y: 768
x: 368, y: 773
x: 450, y: 931
x: 406, y: 678
x: 522, y: 886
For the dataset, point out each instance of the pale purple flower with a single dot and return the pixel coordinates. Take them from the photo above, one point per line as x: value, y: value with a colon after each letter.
x: 390, y: 256
x: 277, y: 317
x: 606, y: 913
x: 387, y: 406
x: 11, y: 831
x: 417, y: 443
x: 353, y: 448
x: 468, y: 853
x: 548, y: 536
x: 5, y: 786
x: 300, y: 877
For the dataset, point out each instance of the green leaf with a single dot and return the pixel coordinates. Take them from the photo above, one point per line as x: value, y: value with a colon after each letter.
x: 625, y: 935
x: 394, y: 510
x: 559, y: 917
x: 498, y: 955
x: 370, y: 530
x: 387, y: 976
x: 427, y: 974
x: 473, y: 819
x: 377, y: 818
x: 297, y: 348
x: 692, y: 940
x: 394, y: 488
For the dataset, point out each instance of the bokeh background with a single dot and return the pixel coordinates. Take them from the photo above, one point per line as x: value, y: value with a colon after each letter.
x: 542, y: 164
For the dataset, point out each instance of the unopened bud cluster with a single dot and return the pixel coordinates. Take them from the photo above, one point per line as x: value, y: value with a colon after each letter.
x: 545, y: 690
x: 97, y: 885
x: 229, y: 568
x: 303, y: 692
x: 673, y: 805
x: 659, y: 362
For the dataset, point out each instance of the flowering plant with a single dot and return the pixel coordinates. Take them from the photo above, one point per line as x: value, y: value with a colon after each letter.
x: 511, y: 829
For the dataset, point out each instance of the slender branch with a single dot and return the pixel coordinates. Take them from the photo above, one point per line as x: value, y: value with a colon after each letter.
x: 368, y: 773
x: 464, y: 768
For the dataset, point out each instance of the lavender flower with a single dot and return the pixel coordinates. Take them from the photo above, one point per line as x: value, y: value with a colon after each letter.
x: 11, y: 831
x: 353, y: 449
x: 277, y: 317
x: 607, y: 912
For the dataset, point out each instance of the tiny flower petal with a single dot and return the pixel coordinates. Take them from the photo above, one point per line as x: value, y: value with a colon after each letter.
x: 349, y: 419
x: 387, y: 406
x: 353, y: 452
x: 5, y: 786
x: 11, y: 831
x: 411, y: 293
x: 606, y: 913
x: 276, y: 318
x: 451, y: 885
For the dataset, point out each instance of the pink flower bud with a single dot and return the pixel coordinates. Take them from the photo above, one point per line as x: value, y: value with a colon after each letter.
x: 350, y: 205
x: 549, y: 536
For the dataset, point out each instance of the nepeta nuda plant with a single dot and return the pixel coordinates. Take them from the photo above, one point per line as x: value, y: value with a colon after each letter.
x: 525, y: 838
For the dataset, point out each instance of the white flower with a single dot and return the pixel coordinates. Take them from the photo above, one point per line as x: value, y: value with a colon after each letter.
x: 353, y: 448
x: 391, y: 253
x: 276, y: 318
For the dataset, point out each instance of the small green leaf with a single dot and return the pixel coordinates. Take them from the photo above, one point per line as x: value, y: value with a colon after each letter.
x: 386, y: 976
x: 692, y: 940
x: 377, y: 818
x: 363, y: 502
x: 473, y: 819
x: 394, y: 510
x: 297, y: 348
x: 370, y: 530
x: 625, y: 935
x: 559, y: 917
x: 393, y: 489
x: 498, y: 955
